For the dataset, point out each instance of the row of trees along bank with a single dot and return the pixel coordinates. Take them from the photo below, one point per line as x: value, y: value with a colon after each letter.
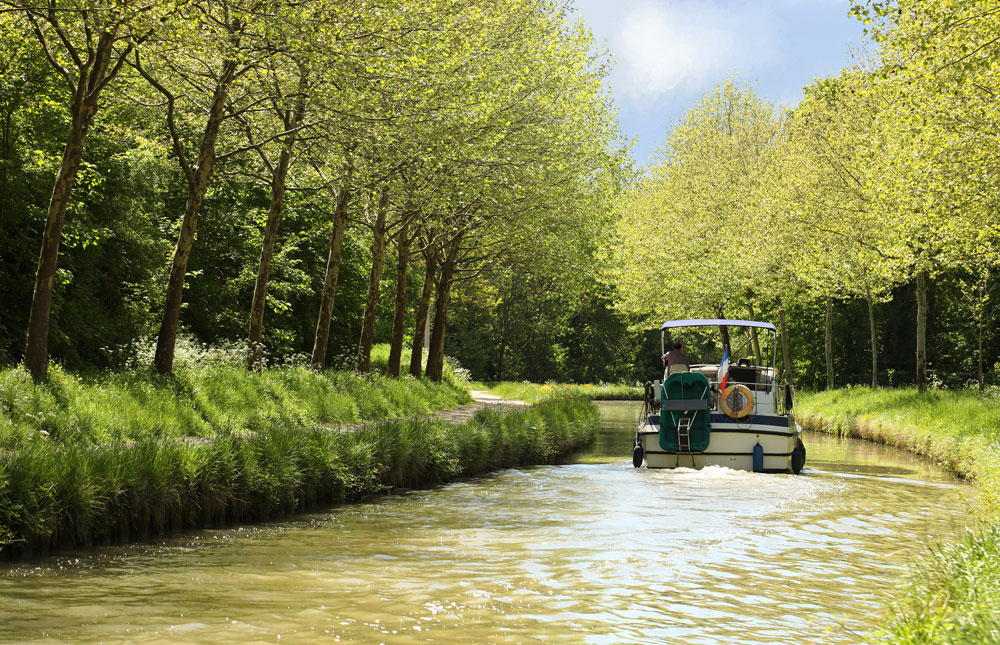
x: 881, y: 182
x: 303, y: 142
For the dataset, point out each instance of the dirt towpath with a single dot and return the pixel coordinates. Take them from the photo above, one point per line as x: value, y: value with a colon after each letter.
x: 480, y: 400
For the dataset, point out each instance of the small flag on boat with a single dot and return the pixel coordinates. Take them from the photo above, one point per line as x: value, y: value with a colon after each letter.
x: 724, y: 369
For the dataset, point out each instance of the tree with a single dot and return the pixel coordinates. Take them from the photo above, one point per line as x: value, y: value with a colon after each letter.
x: 692, y: 240
x: 87, y: 48
x: 938, y: 64
x: 290, y: 118
x: 827, y: 188
x: 204, y: 57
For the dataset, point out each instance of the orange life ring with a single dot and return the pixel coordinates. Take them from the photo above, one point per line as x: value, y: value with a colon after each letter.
x: 736, y: 401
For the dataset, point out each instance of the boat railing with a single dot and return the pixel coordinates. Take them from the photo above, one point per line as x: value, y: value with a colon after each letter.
x: 758, y: 379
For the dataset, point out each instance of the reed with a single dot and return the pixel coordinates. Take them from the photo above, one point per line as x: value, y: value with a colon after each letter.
x: 55, y: 494
x: 952, y: 595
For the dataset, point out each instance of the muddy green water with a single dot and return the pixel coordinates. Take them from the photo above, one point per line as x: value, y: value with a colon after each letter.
x: 592, y: 551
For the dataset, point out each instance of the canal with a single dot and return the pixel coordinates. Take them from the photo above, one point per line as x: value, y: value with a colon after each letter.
x: 591, y: 551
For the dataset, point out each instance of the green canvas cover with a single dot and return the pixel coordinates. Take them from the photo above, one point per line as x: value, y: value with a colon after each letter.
x: 685, y: 395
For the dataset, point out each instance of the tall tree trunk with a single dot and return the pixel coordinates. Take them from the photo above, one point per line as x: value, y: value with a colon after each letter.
x: 754, y: 337
x: 399, y: 317
x: 921, y: 331
x: 163, y: 360
x: 435, y: 354
x: 374, y: 281
x: 332, y: 271
x: 723, y: 330
x: 828, y: 343
x: 255, y: 333
x: 874, y: 338
x: 423, y: 309
x: 786, y: 355
x: 504, y: 331
x: 981, y: 306
x: 86, y: 91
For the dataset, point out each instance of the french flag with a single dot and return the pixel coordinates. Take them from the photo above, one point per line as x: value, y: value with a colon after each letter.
x: 724, y: 369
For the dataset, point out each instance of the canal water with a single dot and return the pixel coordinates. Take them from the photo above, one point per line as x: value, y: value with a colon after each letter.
x: 592, y: 551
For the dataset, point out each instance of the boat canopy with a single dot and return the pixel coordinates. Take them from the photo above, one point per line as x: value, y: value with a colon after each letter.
x: 713, y: 322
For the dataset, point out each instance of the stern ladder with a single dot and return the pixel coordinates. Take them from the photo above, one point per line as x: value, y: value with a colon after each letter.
x: 684, y: 434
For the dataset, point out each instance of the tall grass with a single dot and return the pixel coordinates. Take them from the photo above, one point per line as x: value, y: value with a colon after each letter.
x: 531, y: 392
x: 55, y: 494
x: 203, y: 401
x: 953, y: 595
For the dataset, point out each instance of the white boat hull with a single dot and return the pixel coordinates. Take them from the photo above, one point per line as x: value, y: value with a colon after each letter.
x: 730, y: 445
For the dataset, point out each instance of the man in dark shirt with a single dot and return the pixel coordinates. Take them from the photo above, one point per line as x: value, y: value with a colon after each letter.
x: 676, y: 357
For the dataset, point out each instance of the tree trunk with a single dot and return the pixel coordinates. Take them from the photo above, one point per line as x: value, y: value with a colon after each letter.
x: 435, y: 354
x: 374, y: 281
x: 981, y: 306
x: 754, y: 337
x: 921, y: 331
x: 723, y: 330
x: 874, y: 339
x: 399, y: 317
x: 504, y: 330
x: 423, y: 309
x: 163, y: 361
x: 255, y: 333
x: 332, y: 270
x: 786, y: 356
x: 84, y: 107
x: 828, y: 343
x: 36, y: 352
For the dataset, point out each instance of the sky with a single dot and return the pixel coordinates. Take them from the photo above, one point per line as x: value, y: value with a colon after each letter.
x: 668, y: 53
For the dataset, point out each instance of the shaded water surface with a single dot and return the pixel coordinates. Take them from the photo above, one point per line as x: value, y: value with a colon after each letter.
x: 593, y: 551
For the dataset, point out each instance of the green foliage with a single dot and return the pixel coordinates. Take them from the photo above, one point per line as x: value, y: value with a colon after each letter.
x: 522, y: 327
x: 690, y: 241
x: 488, y: 118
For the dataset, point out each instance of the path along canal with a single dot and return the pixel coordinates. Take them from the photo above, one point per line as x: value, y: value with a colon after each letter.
x: 592, y: 551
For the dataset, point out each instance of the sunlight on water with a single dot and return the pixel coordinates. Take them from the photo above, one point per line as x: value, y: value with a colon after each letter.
x: 593, y: 551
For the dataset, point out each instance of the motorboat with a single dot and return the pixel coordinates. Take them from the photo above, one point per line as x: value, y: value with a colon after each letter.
x: 730, y: 413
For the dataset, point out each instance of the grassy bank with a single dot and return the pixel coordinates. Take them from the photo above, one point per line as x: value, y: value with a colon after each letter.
x: 202, y: 401
x: 127, y: 456
x: 954, y: 592
x: 532, y: 392
x: 957, y: 429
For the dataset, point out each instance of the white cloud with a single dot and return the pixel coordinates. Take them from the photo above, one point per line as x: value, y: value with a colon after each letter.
x: 660, y: 46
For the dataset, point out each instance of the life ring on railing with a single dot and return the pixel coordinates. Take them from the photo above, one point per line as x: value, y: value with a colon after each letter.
x: 736, y: 401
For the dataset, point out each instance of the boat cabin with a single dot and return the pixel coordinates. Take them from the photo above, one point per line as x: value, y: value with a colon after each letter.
x: 747, y: 362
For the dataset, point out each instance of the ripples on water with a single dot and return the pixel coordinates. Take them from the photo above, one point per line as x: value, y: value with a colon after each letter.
x: 594, y: 551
